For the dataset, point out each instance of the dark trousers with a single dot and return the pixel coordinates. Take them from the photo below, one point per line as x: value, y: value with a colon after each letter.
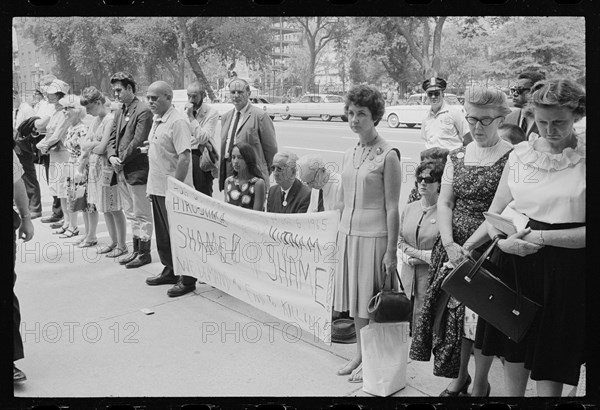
x: 56, y: 208
x: 203, y: 181
x: 163, y: 240
x: 32, y: 185
x: 17, y: 340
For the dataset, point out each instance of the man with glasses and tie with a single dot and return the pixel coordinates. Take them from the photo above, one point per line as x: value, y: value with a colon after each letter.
x: 289, y: 195
x: 130, y: 130
x: 249, y: 124
x: 445, y: 125
x: 520, y: 116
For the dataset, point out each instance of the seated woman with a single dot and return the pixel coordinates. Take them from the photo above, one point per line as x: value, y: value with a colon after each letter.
x: 246, y: 187
x: 418, y: 231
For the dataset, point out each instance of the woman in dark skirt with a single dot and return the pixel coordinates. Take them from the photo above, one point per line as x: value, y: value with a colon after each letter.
x: 544, y: 179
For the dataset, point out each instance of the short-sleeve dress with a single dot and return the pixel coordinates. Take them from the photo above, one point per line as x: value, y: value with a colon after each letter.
x: 550, y: 189
x: 362, y: 232
x: 240, y: 195
x: 441, y: 326
x: 75, y: 135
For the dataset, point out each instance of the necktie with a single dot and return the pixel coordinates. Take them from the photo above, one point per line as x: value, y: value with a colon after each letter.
x: 524, y: 125
x: 194, y: 113
x: 320, y: 207
x: 283, y: 198
x: 233, y: 132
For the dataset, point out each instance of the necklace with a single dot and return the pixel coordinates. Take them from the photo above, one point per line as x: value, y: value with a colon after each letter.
x: 362, y: 159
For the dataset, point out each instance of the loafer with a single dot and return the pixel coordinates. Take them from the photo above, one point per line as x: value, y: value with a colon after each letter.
x: 162, y: 279
x: 180, y: 289
x: 18, y: 375
x: 56, y: 225
x: 51, y: 218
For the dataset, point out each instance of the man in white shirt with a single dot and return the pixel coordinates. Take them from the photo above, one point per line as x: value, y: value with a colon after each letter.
x: 324, y: 182
x: 445, y: 125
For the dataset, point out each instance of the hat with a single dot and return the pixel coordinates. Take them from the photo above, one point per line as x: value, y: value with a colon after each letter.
x: 56, y: 86
x: 343, y: 331
x: 434, y: 83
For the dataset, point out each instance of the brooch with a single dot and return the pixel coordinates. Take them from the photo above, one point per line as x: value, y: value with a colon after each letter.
x: 379, y: 151
x: 432, y: 220
x: 127, y: 118
x: 460, y: 155
x: 371, y: 157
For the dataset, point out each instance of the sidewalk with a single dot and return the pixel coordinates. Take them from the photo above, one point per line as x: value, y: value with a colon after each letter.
x: 85, y: 335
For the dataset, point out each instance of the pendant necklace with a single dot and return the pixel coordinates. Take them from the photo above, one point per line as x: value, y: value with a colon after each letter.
x: 363, y: 159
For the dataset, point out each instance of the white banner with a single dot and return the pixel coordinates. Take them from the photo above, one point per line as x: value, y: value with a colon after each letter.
x: 281, y: 264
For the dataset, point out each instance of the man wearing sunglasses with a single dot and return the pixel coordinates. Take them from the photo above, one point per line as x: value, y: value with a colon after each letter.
x: 445, y: 125
x: 520, y: 93
x: 289, y: 195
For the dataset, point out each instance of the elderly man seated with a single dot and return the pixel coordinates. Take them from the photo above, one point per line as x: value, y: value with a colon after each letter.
x: 324, y: 182
x: 289, y: 195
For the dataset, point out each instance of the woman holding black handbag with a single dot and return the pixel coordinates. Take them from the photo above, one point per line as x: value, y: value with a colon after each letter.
x: 544, y: 179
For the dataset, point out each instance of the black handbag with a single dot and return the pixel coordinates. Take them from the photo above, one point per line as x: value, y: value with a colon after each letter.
x: 475, y: 285
x: 389, y: 305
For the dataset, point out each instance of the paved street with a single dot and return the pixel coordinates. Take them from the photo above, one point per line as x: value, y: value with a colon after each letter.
x: 85, y: 335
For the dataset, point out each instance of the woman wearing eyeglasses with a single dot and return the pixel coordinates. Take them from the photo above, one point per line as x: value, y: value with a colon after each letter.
x: 471, y: 176
x: 418, y: 231
x: 545, y: 179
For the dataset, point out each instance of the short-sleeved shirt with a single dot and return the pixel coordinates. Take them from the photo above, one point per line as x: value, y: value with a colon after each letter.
x: 169, y: 137
x: 446, y: 128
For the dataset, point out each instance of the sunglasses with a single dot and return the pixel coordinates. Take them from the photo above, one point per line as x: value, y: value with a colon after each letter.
x: 485, y: 121
x: 433, y: 94
x: 519, y: 90
x: 152, y: 98
x: 277, y: 168
x: 427, y: 180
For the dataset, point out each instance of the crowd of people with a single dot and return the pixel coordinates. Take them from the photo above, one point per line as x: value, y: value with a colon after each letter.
x: 120, y: 154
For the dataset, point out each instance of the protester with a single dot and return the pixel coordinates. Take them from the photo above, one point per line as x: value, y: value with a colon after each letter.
x: 102, y: 186
x: 430, y: 154
x: 511, y: 133
x: 324, y: 183
x: 203, y: 123
x: 22, y: 222
x: 368, y: 230
x: 249, y: 124
x: 445, y: 125
x: 551, y: 249
x: 246, y: 187
x: 130, y: 130
x: 289, y: 195
x: 418, y: 232
x: 26, y: 152
x: 520, y: 116
x: 470, y: 179
x: 169, y: 154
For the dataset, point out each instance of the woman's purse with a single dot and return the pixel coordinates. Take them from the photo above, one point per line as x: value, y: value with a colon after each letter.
x: 77, y: 196
x: 477, y: 287
x: 390, y: 305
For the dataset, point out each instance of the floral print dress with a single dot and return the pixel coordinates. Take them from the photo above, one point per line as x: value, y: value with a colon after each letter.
x: 240, y: 195
x: 75, y: 135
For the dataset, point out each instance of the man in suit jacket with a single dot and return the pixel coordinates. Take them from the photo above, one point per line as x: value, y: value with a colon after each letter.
x: 249, y: 124
x: 203, y: 123
x: 289, y: 195
x: 520, y: 115
x: 130, y: 130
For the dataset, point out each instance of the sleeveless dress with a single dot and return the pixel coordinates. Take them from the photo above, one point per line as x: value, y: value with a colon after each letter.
x: 554, y: 347
x: 362, y: 232
x: 474, y: 189
x: 240, y: 195
x: 75, y: 135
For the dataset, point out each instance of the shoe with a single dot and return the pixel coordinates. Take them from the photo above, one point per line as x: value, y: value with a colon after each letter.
x: 35, y: 215
x: 51, y: 218
x: 57, y: 225
x: 134, y: 254
x: 180, y: 289
x: 163, y: 279
x: 18, y: 375
x: 116, y: 252
x: 348, y: 368
x: 143, y: 257
x: 463, y: 389
x: 69, y: 233
x: 87, y: 244
x: 60, y: 231
x: 356, y: 375
x: 107, y: 248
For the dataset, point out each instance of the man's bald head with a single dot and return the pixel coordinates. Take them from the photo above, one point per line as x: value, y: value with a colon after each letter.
x: 159, y: 95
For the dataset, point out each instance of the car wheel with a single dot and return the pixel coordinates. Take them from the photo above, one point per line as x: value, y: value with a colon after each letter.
x: 410, y: 125
x: 304, y: 118
x: 344, y: 118
x: 393, y: 121
x: 326, y: 117
x: 285, y: 117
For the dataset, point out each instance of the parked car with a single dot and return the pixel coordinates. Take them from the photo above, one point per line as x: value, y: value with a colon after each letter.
x: 180, y: 99
x: 325, y: 106
x: 414, y: 111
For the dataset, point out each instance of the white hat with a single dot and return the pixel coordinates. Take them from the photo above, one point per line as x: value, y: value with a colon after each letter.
x: 56, y: 86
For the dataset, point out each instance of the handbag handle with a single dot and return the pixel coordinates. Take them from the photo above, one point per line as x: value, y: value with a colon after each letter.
x: 385, y: 280
x: 481, y: 259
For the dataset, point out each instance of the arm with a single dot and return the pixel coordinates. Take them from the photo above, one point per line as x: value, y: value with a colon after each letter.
x: 573, y: 238
x: 183, y: 163
x: 22, y: 202
x: 259, y: 195
x: 52, y: 138
x: 266, y: 133
x: 391, y: 188
x: 202, y: 134
x: 409, y: 255
x: 181, y: 142
x: 445, y: 206
x: 111, y: 147
x: 102, y: 147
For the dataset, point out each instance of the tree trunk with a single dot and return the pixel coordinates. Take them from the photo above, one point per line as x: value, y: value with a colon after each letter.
x: 191, y: 57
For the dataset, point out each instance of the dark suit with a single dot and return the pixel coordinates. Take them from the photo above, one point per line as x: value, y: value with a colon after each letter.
x: 256, y: 129
x: 298, y: 199
x: 516, y: 118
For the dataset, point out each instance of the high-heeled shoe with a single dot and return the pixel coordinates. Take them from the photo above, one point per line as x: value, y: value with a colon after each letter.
x: 463, y: 389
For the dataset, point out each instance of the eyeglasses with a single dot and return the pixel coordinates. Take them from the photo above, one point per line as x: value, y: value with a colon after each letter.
x: 65, y: 109
x: 152, y: 98
x: 427, y: 180
x: 277, y: 168
x: 519, y: 90
x: 433, y: 94
x: 485, y: 121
